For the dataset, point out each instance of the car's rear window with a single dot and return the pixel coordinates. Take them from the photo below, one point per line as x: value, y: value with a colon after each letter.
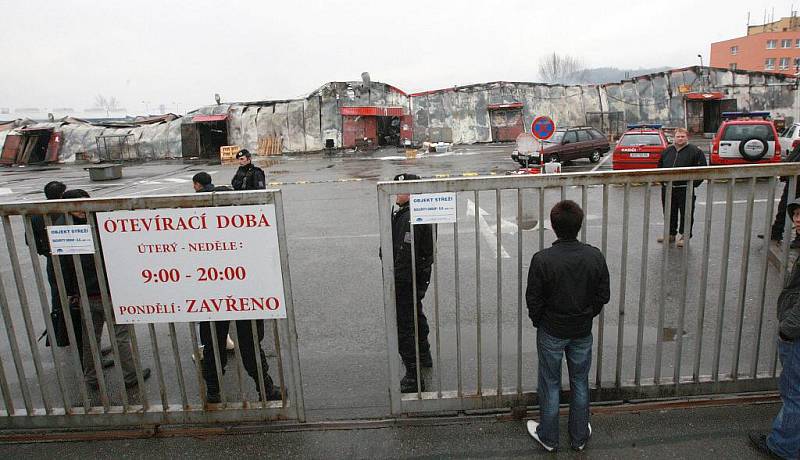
x: 744, y: 132
x: 640, y: 139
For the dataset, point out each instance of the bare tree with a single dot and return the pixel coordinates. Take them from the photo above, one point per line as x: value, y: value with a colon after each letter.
x: 108, y: 104
x: 558, y: 68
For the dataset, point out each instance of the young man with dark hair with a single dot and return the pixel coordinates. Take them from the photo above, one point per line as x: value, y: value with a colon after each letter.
x: 568, y: 285
x: 121, y: 332
x: 202, y: 182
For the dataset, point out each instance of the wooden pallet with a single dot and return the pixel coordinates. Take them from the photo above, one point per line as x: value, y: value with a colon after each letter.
x: 271, y: 145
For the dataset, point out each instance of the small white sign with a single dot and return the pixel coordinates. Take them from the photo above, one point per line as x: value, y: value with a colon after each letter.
x: 70, y: 239
x: 433, y: 208
x: 193, y: 264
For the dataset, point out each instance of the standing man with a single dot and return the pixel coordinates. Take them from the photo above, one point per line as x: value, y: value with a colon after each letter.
x: 776, y: 234
x: 404, y: 296
x: 120, y: 332
x: 248, y: 176
x: 568, y: 284
x: 680, y: 154
x: 784, y: 440
x: 244, y: 332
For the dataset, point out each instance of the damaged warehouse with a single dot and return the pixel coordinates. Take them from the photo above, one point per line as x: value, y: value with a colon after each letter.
x: 366, y: 114
x: 693, y: 98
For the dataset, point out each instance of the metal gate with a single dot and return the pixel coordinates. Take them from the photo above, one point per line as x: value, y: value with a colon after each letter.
x: 695, y: 320
x: 42, y: 386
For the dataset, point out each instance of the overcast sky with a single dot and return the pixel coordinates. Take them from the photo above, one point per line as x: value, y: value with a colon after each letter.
x: 146, y: 53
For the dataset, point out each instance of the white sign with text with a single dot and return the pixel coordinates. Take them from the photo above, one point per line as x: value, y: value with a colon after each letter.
x: 70, y: 239
x: 433, y: 208
x: 194, y: 264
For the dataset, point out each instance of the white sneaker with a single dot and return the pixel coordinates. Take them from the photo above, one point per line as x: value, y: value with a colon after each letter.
x: 583, y: 446
x: 532, y: 425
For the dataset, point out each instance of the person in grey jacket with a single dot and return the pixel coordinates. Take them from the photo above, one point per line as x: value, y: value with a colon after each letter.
x: 784, y: 440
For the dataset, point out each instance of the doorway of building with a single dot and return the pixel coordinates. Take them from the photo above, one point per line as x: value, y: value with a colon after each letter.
x: 506, y: 122
x: 388, y: 131
x: 204, y: 136
x: 704, y: 115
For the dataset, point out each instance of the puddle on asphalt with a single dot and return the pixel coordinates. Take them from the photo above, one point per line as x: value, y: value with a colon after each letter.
x: 528, y: 223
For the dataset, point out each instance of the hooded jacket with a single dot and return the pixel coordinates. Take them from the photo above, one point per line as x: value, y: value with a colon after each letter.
x: 789, y: 310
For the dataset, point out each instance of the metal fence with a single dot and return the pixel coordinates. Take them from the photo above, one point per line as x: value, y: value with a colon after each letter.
x: 44, y: 386
x: 681, y: 321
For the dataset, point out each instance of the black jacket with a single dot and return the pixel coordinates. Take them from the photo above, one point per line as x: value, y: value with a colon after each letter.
x: 686, y: 157
x: 249, y: 177
x: 568, y: 284
x: 401, y: 243
x: 789, y: 310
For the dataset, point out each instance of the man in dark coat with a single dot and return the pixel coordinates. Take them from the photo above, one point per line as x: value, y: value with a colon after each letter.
x: 681, y: 154
x: 404, y: 296
x: 244, y: 335
x: 784, y: 440
x: 568, y: 285
x: 776, y: 233
x: 248, y: 176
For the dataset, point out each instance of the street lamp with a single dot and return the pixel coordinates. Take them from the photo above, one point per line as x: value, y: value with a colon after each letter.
x: 701, y: 59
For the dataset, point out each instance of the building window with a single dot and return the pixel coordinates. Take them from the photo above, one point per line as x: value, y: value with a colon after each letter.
x: 769, y: 63
x: 784, y: 64
x: 796, y: 63
x: 786, y: 43
x: 732, y: 66
x: 734, y: 50
x: 797, y: 43
x: 771, y: 44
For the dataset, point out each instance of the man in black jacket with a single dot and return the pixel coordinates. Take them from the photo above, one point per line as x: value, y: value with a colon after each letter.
x: 784, y: 439
x: 681, y: 154
x: 404, y: 296
x: 568, y: 285
x: 244, y: 336
x: 94, y: 298
x: 248, y: 176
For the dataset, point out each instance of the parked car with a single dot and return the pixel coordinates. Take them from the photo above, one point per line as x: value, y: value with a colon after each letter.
x: 569, y: 144
x: 639, y: 147
x: 745, y: 138
x: 789, y: 139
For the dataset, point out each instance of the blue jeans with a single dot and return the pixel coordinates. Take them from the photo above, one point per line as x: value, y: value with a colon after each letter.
x: 579, y: 359
x: 785, y: 437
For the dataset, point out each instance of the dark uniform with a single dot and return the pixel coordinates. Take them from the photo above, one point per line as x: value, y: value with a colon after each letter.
x: 671, y: 157
x: 249, y: 176
x: 404, y: 297
x: 244, y: 332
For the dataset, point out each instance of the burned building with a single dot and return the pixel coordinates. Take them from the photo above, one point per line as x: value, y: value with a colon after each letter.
x: 366, y: 114
x: 693, y: 98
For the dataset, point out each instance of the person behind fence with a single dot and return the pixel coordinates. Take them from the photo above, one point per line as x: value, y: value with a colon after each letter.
x: 680, y: 154
x: 201, y: 182
x: 784, y: 439
x: 404, y: 296
x: 568, y: 285
x: 248, y: 176
x: 98, y: 317
x: 776, y: 233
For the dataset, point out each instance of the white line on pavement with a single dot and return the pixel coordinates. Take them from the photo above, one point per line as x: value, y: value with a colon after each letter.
x: 605, y: 158
x: 488, y: 235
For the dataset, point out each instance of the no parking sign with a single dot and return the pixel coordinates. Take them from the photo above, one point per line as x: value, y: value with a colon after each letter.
x: 543, y: 127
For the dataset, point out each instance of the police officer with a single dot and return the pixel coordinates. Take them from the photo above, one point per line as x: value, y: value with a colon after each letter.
x: 404, y: 296
x: 244, y: 333
x: 248, y: 176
